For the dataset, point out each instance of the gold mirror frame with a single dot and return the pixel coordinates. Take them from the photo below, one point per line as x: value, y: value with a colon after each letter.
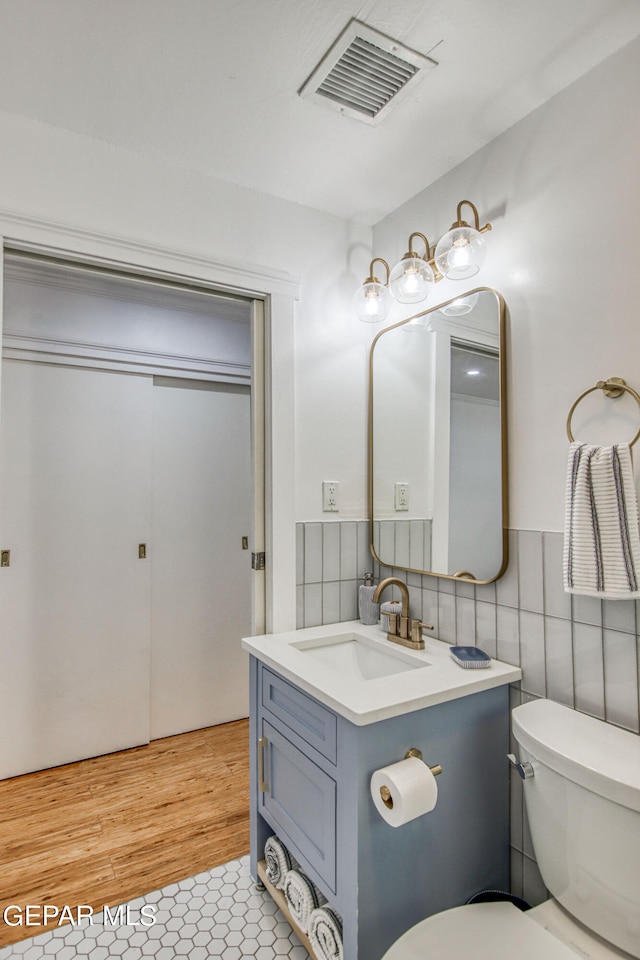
x: 461, y: 575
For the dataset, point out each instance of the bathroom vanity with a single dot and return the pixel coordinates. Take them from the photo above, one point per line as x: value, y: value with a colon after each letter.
x: 332, y: 704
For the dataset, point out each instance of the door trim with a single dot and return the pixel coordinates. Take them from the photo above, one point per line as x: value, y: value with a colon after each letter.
x: 278, y: 291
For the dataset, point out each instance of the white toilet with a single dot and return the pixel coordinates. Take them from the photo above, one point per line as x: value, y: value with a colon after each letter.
x: 582, y: 793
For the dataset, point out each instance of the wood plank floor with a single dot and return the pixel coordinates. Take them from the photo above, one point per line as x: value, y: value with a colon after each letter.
x: 109, y: 829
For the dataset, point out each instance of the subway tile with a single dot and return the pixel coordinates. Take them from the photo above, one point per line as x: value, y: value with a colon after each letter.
x: 349, y: 599
x: 486, y: 592
x: 331, y: 602
x: 532, y: 653
x: 387, y: 539
x: 465, y: 621
x: 446, y: 585
x: 365, y: 557
x: 415, y: 600
x: 586, y: 609
x: 507, y: 585
x: 588, y: 669
x: 515, y: 696
x: 299, y: 607
x: 464, y: 588
x: 559, y: 656
x: 402, y: 552
x: 486, y: 628
x: 312, y: 604
x: 430, y: 610
x: 330, y: 552
x: 299, y: 553
x: 416, y: 544
x: 507, y: 632
x: 621, y: 680
x: 428, y: 530
x: 557, y: 602
x: 619, y: 615
x: 447, y: 617
x: 530, y: 581
x: 348, y: 550
x: 313, y: 553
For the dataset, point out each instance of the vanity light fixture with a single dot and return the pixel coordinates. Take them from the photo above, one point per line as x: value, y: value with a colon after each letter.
x: 371, y: 300
x: 457, y: 256
x: 412, y: 277
x: 461, y: 252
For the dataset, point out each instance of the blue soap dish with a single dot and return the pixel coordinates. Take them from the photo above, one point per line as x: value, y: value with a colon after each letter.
x: 470, y: 657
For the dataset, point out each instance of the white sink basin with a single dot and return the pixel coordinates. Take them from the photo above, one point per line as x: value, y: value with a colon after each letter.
x: 357, y: 657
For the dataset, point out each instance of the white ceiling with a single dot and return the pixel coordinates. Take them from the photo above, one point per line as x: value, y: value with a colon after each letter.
x: 212, y: 85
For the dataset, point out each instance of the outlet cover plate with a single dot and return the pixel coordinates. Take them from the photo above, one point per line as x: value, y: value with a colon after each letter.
x: 401, y: 496
x: 330, y: 496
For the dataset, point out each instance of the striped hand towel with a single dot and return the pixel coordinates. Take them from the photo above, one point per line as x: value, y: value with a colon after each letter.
x: 302, y: 897
x: 278, y: 861
x: 325, y: 934
x: 601, y: 539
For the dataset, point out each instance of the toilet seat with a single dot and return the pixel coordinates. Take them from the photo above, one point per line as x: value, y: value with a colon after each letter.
x: 488, y: 931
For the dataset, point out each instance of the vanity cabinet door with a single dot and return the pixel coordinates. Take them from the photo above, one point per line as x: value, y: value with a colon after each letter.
x: 298, y: 799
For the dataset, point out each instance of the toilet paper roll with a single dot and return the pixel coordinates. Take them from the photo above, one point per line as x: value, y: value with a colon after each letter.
x: 403, y: 791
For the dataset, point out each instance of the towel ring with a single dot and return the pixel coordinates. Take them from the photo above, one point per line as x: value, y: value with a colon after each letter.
x: 613, y: 387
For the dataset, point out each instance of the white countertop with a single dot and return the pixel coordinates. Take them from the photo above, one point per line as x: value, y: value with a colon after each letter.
x: 436, y: 679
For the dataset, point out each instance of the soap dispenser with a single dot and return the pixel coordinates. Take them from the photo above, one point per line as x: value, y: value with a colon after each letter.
x: 369, y: 611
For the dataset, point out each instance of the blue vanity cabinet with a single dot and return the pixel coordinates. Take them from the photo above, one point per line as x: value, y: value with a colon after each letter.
x: 297, y: 783
x: 310, y: 775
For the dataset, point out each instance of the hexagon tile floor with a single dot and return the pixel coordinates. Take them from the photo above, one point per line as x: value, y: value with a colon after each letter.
x: 219, y: 914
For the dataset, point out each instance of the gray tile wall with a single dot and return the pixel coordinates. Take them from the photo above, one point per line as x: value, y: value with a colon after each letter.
x: 408, y: 541
x: 579, y: 651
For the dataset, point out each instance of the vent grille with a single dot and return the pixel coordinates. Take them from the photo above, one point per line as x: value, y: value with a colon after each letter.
x: 363, y: 72
x: 365, y: 78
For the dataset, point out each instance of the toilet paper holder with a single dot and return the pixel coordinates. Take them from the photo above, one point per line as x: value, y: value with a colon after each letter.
x: 436, y: 769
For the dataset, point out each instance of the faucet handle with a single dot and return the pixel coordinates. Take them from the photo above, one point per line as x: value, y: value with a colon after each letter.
x: 417, y: 626
x: 393, y: 623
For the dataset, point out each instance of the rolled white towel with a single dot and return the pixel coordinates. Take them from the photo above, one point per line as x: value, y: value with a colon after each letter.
x: 278, y: 861
x: 302, y: 897
x: 325, y: 934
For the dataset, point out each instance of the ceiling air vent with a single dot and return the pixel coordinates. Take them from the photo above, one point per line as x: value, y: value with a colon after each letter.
x: 363, y: 73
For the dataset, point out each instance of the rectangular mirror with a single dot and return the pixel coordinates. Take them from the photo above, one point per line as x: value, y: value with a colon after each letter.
x: 437, y: 441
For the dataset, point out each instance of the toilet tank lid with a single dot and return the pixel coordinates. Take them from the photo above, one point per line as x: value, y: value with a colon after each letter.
x: 597, y: 755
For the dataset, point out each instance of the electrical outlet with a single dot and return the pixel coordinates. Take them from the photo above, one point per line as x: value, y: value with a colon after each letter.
x: 401, y: 493
x: 330, y: 496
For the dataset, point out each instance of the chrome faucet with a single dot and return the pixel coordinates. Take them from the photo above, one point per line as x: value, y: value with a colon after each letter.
x: 401, y: 628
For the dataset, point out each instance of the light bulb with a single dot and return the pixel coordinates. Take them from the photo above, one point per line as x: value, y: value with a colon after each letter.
x: 460, y: 253
x: 370, y: 301
x: 410, y: 280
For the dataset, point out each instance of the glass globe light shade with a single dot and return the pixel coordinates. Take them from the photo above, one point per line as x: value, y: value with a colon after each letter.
x: 371, y: 301
x: 460, y: 253
x: 418, y: 325
x: 410, y: 280
x: 458, y: 308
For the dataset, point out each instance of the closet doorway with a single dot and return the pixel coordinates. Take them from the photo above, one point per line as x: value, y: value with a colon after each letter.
x: 127, y: 500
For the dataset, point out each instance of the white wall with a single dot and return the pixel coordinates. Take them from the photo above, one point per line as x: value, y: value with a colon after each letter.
x: 58, y: 176
x: 561, y: 190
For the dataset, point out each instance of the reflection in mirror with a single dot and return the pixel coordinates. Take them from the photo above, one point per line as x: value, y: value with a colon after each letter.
x: 437, y: 441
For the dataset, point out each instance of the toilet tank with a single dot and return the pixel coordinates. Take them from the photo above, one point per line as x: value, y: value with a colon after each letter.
x: 583, y: 805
